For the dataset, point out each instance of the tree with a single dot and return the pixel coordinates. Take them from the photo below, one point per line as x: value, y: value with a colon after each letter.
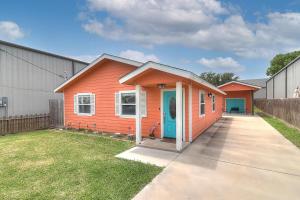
x: 280, y: 61
x: 218, y: 78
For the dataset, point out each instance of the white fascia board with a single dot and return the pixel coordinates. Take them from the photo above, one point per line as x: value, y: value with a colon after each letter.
x: 171, y: 70
x: 97, y: 60
x: 241, y: 83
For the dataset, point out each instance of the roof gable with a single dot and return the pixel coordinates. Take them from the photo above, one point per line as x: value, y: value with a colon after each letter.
x: 237, y: 86
x: 93, y: 64
x: 168, y: 69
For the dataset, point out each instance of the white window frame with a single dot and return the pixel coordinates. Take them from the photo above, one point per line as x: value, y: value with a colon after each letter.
x: 120, y: 103
x: 213, y: 103
x: 84, y: 94
x: 201, y: 92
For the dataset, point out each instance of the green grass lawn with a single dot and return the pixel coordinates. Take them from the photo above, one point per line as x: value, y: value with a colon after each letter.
x: 63, y: 165
x: 290, y: 133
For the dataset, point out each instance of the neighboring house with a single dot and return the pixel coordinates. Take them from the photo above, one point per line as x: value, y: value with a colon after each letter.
x: 261, y: 93
x: 284, y: 83
x: 239, y: 98
x: 28, y: 78
x: 118, y: 95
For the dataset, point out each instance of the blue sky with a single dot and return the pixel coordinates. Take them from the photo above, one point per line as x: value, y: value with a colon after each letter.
x: 198, y: 35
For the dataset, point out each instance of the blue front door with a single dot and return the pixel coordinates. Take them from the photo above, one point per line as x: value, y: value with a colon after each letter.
x: 169, y: 113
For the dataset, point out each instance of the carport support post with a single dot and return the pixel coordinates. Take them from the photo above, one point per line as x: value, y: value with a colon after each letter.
x: 178, y: 116
x: 138, y: 121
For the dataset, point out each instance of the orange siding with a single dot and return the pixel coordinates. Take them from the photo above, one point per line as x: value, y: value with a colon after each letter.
x: 103, y: 81
x: 153, y: 112
x: 236, y: 90
x: 236, y: 87
x: 200, y: 124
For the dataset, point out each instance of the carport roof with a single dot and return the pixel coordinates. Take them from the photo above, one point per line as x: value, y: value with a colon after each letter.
x: 240, y: 83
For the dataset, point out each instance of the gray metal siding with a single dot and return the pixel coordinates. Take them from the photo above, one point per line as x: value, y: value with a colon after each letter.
x: 28, y: 87
x: 293, y: 81
x: 78, y: 67
x: 270, y: 89
x: 260, y: 94
x: 279, y: 85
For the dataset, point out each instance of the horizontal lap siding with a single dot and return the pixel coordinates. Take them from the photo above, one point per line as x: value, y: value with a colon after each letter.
x: 200, y: 124
x: 153, y: 112
x: 103, y: 81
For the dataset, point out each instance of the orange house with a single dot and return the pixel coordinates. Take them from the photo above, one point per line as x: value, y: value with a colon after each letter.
x: 118, y: 95
x: 239, y: 98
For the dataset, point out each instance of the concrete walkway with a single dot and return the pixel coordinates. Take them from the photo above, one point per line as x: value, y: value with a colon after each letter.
x: 156, y: 157
x: 244, y: 159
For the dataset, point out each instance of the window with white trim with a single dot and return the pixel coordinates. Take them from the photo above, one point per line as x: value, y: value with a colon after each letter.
x: 128, y: 103
x: 84, y: 104
x: 125, y: 103
x: 201, y: 103
x: 213, y: 98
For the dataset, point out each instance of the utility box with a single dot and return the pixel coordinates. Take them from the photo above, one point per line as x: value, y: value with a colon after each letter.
x: 3, y: 101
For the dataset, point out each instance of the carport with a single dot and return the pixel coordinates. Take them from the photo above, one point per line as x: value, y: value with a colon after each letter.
x: 239, y: 97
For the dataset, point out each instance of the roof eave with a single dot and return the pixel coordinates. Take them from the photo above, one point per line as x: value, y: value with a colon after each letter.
x: 241, y: 83
x: 168, y: 69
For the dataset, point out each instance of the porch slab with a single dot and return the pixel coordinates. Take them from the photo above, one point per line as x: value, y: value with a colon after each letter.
x: 149, y: 156
x: 161, y: 144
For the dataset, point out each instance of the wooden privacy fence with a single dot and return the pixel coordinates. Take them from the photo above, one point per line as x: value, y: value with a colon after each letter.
x: 285, y: 109
x: 23, y: 123
x: 56, y: 112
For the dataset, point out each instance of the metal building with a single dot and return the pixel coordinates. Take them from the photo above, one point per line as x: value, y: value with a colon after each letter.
x: 28, y: 78
x: 284, y: 83
x: 261, y: 93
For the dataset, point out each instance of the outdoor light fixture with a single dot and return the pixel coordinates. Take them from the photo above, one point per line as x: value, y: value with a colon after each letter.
x: 209, y: 94
x: 161, y: 86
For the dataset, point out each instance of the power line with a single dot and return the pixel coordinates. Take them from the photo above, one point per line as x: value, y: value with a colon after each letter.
x: 27, y: 89
x: 41, y: 68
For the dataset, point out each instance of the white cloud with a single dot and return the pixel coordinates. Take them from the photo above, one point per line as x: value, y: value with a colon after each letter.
x: 10, y: 30
x: 107, y: 29
x: 138, y: 56
x: 226, y: 64
x: 205, y: 24
x: 152, y: 21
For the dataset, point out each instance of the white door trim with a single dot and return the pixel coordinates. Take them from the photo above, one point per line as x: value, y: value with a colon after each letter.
x: 162, y: 110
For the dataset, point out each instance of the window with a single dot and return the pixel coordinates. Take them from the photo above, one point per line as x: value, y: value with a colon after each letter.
x: 125, y: 103
x: 84, y: 104
x: 213, y: 98
x: 201, y: 103
x: 128, y: 103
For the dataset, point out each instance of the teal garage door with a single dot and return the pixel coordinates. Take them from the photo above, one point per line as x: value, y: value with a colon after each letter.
x: 235, y: 105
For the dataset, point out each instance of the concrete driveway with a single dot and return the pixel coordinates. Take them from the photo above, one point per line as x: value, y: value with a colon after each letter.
x: 240, y: 157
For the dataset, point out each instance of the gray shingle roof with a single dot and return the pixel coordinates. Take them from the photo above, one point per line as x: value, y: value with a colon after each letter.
x: 258, y: 82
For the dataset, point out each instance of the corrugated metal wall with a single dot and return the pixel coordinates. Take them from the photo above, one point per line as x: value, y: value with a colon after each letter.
x: 260, y: 94
x: 270, y: 89
x: 285, y: 82
x: 279, y: 85
x: 29, y: 87
x: 293, y: 74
